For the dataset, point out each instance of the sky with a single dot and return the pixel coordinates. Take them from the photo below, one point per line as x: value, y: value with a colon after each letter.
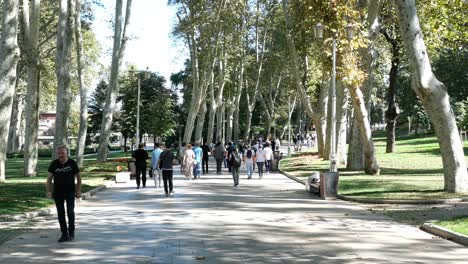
x: 151, y: 44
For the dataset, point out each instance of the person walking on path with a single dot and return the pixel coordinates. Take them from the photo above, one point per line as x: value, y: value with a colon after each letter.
x: 165, y: 164
x: 268, y: 157
x: 219, y: 156
x: 249, y: 161
x: 198, y: 161
x: 260, y: 158
x: 155, y: 166
x: 63, y: 171
x: 235, y: 163
x: 206, y: 157
x: 181, y: 154
x: 228, y: 155
x: 140, y: 155
x: 189, y: 162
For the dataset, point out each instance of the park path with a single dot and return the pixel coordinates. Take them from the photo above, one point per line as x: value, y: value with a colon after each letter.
x: 263, y: 221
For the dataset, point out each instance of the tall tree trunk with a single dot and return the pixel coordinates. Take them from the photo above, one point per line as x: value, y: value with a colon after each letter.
x: 200, y: 123
x: 220, y: 104
x: 120, y: 42
x: 219, y: 124
x: 392, y: 112
x: 229, y: 122
x: 290, y: 112
x: 211, y: 117
x: 16, y: 118
x: 9, y: 57
x: 31, y: 20
x: 342, y: 122
x: 434, y: 98
x: 355, y: 149
x: 320, y: 121
x: 236, y: 125
x: 248, y: 124
x: 370, y: 55
x: 63, y: 71
x: 360, y: 111
x: 80, y: 146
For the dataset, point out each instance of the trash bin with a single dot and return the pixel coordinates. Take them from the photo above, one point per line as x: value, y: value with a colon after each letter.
x: 132, y: 168
x: 329, y: 181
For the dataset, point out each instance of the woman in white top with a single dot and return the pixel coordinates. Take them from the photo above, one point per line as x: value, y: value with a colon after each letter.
x: 268, y: 157
x: 260, y: 158
x: 189, y: 162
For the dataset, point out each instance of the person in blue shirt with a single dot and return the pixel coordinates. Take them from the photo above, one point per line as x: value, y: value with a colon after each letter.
x: 155, y: 165
x: 198, y: 161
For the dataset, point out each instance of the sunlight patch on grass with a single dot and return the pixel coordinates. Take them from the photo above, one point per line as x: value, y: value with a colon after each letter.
x: 458, y: 224
x: 414, y: 171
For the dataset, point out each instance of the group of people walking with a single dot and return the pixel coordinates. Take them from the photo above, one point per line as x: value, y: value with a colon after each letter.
x: 194, y: 161
x: 161, y: 167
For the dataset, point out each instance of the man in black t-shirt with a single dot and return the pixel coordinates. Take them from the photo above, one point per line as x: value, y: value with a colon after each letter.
x: 141, y: 156
x: 63, y: 172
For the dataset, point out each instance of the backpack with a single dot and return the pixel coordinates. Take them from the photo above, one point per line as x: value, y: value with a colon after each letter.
x: 249, y: 154
x: 236, y: 161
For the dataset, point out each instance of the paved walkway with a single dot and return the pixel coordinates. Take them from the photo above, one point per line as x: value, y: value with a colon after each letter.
x: 263, y: 221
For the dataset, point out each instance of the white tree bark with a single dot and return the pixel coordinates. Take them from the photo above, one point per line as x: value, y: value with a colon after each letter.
x: 360, y: 111
x: 219, y: 97
x: 320, y: 121
x: 120, y: 42
x: 200, y: 123
x: 201, y: 76
x: 434, y: 97
x: 290, y: 112
x: 14, y: 143
x: 240, y: 86
x: 63, y: 71
x: 31, y: 24
x: 342, y: 122
x: 80, y: 146
x: 355, y: 149
x: 212, y: 113
x: 9, y: 57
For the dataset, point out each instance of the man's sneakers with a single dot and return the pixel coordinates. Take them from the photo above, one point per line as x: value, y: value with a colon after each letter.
x: 63, y: 239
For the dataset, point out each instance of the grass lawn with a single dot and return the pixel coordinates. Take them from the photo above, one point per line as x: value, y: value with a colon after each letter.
x: 20, y: 194
x: 413, y: 172
x: 458, y: 224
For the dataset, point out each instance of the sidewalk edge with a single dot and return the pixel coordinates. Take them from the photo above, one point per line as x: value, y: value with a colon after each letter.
x: 445, y: 233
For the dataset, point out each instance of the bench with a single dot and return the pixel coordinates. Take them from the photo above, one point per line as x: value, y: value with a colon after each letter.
x: 324, y: 184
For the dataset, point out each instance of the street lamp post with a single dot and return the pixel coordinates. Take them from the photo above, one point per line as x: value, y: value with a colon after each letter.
x: 318, y: 31
x: 146, y: 74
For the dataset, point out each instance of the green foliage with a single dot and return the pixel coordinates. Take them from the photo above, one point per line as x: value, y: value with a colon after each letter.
x: 157, y: 107
x: 461, y: 114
